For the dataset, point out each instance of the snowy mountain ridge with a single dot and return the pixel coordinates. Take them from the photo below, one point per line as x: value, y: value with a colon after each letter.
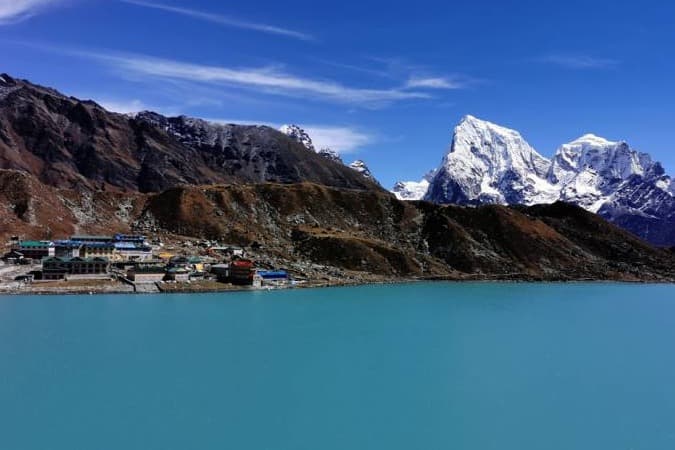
x: 488, y: 163
x: 300, y: 135
x: 414, y: 190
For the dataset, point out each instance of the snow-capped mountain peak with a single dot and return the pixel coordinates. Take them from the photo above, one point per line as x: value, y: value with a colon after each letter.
x: 474, y: 122
x: 592, y: 140
x: 488, y: 163
x: 361, y: 167
x: 612, y: 160
x: 300, y: 135
x: 591, y: 169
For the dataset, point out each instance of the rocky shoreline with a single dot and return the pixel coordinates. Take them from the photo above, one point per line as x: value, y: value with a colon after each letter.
x: 211, y: 288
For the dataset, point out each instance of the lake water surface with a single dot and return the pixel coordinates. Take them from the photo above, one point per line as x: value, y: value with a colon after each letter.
x: 417, y: 366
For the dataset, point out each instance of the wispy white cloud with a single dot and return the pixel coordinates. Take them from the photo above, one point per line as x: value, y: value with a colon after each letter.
x: 415, y: 76
x: 223, y: 20
x: 343, y: 140
x: 434, y: 83
x: 578, y: 61
x: 355, y: 68
x: 12, y: 11
x: 266, y: 79
x: 123, y: 106
x: 131, y: 106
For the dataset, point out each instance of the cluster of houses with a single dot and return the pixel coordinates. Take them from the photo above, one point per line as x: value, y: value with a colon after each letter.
x: 133, y: 259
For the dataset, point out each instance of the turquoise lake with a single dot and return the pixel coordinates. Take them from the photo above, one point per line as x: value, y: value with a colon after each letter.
x: 414, y: 366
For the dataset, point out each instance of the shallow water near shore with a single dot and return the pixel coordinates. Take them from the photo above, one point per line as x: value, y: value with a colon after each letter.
x: 411, y: 366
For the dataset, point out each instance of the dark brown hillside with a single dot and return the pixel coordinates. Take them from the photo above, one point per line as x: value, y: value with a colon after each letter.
x: 355, y: 230
x: 373, y: 232
x: 70, y: 143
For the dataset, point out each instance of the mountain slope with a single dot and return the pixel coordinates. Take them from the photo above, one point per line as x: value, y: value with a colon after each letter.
x: 368, y: 232
x: 70, y: 143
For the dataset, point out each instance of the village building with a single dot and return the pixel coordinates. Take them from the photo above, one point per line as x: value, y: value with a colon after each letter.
x: 67, y: 249
x: 179, y: 261
x: 166, y: 256
x: 226, y: 250
x: 132, y: 251
x: 146, y: 274
x: 91, y: 239
x: 35, y: 249
x: 98, y: 250
x: 190, y: 263
x: 16, y: 257
x: 221, y: 271
x: 55, y: 268
x: 273, y: 277
x: 178, y: 274
x: 196, y: 263
x: 241, y: 272
x: 132, y: 238
x: 129, y: 265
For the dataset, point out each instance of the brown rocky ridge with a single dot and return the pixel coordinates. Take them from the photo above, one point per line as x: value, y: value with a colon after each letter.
x: 69, y: 143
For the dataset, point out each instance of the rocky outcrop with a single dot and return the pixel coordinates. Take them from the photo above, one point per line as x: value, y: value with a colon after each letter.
x: 331, y: 154
x: 362, y: 168
x: 299, y: 135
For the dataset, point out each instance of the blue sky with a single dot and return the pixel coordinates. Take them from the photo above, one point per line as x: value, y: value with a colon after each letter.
x: 380, y: 81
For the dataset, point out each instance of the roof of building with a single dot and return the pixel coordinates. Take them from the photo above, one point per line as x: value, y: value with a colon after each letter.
x: 85, y: 237
x: 35, y: 244
x: 128, y: 245
x: 74, y: 259
x: 68, y: 244
x: 108, y: 245
x: 242, y: 263
x: 273, y: 274
x: 129, y: 237
x: 148, y: 270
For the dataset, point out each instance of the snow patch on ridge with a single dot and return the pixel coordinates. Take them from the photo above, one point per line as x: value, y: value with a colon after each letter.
x: 413, y: 190
x: 300, y: 135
